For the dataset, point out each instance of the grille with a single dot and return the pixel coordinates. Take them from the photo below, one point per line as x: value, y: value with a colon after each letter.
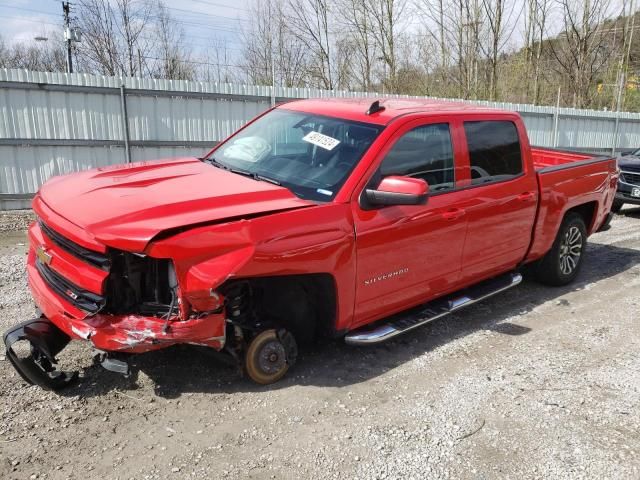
x: 632, y: 178
x: 84, y: 300
x: 94, y: 258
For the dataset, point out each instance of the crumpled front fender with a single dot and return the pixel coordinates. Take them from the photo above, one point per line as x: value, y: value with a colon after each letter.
x: 199, y: 279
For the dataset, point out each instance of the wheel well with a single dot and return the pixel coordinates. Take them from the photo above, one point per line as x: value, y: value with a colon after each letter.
x: 587, y: 211
x: 305, y: 304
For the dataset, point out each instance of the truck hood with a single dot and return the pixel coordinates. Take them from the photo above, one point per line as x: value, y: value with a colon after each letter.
x: 126, y: 206
x: 629, y: 162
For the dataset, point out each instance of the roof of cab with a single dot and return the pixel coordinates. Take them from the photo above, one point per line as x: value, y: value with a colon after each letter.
x: 356, y: 108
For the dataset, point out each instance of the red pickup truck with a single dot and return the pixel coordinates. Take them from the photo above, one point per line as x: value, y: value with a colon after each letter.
x: 335, y: 218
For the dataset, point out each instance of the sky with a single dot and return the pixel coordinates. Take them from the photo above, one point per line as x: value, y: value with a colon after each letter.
x: 202, y: 20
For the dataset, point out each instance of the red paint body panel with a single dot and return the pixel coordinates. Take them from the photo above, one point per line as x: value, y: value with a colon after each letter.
x: 216, y: 225
x: 126, y: 207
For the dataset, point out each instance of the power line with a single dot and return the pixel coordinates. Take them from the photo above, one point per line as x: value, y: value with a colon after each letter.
x: 194, y: 12
x: 24, y: 19
x: 156, y: 17
x: 213, y: 4
x: 29, y: 10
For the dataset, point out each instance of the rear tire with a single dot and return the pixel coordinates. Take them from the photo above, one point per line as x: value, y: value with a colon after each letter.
x: 617, y: 206
x: 562, y: 263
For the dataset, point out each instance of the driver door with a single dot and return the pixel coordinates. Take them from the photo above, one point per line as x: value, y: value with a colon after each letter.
x: 407, y: 254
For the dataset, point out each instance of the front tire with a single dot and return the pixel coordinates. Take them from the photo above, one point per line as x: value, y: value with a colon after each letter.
x: 270, y: 355
x: 562, y: 263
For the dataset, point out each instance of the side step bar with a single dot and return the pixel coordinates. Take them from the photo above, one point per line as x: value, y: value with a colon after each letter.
x: 414, y: 318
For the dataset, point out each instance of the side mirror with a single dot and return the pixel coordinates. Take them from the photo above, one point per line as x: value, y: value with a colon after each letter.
x: 398, y: 191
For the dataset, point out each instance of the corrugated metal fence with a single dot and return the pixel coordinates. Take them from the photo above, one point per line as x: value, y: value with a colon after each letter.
x: 56, y: 123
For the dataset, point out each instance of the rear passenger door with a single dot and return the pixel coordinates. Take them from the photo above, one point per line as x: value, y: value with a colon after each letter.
x: 502, y: 206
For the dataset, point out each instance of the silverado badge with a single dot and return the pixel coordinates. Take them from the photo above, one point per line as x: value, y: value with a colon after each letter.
x: 42, y: 255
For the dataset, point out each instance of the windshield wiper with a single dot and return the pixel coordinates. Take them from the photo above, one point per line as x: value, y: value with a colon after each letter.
x: 266, y: 179
x: 255, y: 176
x: 216, y: 163
x: 239, y: 171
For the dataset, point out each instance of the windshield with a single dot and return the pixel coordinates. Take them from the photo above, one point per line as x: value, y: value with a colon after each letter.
x: 309, y: 154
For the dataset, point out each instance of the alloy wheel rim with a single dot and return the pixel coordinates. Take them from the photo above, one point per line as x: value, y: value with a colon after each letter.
x: 570, y: 250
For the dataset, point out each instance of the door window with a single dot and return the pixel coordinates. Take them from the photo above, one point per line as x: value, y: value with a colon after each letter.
x: 494, y: 150
x: 425, y: 152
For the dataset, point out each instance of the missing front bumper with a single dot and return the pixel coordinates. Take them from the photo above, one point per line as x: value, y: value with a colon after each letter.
x: 46, y: 341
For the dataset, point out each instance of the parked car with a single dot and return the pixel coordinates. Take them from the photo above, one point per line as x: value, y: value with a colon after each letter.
x: 632, y: 153
x: 338, y: 218
x: 629, y: 182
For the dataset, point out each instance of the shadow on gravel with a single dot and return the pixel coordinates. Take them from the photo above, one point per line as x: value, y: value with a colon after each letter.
x: 630, y: 211
x: 184, y: 369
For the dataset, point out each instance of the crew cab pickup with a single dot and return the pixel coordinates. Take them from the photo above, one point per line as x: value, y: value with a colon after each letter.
x: 336, y: 218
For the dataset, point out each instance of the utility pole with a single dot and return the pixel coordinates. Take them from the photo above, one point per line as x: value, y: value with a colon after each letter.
x: 66, y: 8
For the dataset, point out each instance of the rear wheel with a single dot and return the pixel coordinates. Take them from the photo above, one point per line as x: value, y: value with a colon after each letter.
x: 562, y: 263
x: 270, y: 355
x: 617, y: 206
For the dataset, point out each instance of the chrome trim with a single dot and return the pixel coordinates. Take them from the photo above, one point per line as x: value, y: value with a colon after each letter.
x: 381, y: 333
x: 622, y: 172
x: 457, y: 303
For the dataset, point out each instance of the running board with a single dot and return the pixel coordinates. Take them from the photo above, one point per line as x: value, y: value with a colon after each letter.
x: 431, y: 311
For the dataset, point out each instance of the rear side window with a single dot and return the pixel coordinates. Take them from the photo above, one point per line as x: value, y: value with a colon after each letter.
x: 424, y: 152
x: 494, y: 150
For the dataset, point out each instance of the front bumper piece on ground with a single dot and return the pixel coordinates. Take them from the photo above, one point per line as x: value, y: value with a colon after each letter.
x: 46, y: 341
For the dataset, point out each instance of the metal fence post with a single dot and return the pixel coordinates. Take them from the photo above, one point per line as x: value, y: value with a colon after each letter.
x: 614, y: 146
x: 125, y: 123
x: 556, y: 117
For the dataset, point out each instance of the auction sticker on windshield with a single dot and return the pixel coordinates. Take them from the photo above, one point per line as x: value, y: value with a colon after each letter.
x: 323, y: 141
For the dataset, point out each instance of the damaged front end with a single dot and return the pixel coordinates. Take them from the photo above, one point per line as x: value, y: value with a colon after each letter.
x: 119, y: 301
x: 45, y: 342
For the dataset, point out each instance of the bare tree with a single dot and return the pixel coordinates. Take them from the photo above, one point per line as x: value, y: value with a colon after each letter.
x: 271, y: 51
x: 436, y: 44
x: 539, y: 30
x: 583, y: 50
x: 43, y: 57
x: 219, y: 57
x: 114, y: 40
x: 172, y: 60
x: 388, y: 20
x: 629, y: 15
x: 310, y: 23
x: 358, y: 35
x: 497, y: 14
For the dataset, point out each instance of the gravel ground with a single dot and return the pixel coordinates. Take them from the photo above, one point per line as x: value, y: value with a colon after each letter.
x: 537, y: 382
x: 15, y: 221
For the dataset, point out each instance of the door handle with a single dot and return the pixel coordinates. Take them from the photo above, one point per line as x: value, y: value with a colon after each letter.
x: 523, y: 197
x: 453, y: 214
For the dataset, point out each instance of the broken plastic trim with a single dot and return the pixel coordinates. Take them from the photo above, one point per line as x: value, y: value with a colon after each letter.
x: 46, y: 342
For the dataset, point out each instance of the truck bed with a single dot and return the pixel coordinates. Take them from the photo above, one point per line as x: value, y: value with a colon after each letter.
x: 548, y: 158
x: 569, y: 180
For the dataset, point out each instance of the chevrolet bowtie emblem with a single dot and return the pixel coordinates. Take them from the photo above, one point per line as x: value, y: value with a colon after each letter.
x: 42, y: 255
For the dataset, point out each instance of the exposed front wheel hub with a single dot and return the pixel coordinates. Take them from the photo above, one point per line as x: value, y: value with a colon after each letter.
x: 270, y: 355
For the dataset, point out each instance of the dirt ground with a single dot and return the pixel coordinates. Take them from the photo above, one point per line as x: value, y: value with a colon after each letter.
x: 537, y: 382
